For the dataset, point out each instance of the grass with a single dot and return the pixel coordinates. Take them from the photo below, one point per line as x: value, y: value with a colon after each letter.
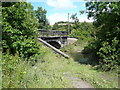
x: 0, y: 70
x: 51, y: 72
x: 87, y: 70
x: 44, y: 74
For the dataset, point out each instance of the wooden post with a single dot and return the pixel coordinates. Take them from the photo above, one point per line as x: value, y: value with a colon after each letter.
x: 68, y: 24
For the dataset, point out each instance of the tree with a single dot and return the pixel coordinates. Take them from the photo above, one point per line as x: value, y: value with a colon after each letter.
x: 0, y: 26
x: 61, y: 25
x: 75, y: 20
x: 41, y: 15
x: 19, y: 29
x: 106, y: 16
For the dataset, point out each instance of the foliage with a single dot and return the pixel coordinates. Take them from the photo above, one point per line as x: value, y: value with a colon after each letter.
x: 52, y: 72
x: 0, y: 46
x: 108, y: 34
x: 18, y: 72
x: 84, y: 30
x: 10, y: 66
x: 85, y: 67
x: 0, y: 24
x: 109, y: 56
x: 62, y: 26
x: 13, y: 72
x: 19, y: 28
x: 75, y: 20
x: 41, y: 15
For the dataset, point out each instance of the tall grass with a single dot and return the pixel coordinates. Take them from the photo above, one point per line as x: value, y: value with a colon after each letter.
x: 19, y: 73
x: 87, y: 71
x: 51, y: 71
x: 0, y: 70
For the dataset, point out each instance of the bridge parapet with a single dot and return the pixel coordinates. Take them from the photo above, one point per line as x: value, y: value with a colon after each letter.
x: 44, y: 32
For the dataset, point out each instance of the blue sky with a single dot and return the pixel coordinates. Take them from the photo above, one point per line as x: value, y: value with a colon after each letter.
x: 57, y: 10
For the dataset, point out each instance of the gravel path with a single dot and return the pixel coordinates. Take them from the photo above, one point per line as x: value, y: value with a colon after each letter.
x: 78, y: 83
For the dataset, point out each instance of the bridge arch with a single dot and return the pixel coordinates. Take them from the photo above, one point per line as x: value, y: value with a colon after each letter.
x: 56, y: 44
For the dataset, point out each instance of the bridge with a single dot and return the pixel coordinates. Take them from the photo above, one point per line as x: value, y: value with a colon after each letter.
x: 57, y: 42
x: 44, y: 32
x: 55, y: 39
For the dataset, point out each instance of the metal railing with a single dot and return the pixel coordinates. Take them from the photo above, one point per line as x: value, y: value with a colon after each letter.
x: 44, y: 32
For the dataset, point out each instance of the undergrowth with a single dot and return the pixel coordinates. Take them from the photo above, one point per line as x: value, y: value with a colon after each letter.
x: 51, y: 71
x: 88, y: 70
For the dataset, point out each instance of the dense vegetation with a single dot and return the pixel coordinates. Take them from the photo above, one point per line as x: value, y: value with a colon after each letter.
x: 83, y: 30
x: 53, y: 71
x: 41, y: 15
x: 19, y: 29
x: 19, y: 40
x: 107, y: 43
x: 62, y: 26
x: 103, y: 33
x: 21, y: 49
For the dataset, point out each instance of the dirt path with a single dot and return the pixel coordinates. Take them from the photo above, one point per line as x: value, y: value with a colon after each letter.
x: 76, y: 82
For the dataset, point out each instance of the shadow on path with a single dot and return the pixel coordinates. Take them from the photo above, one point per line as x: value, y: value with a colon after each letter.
x: 83, y: 58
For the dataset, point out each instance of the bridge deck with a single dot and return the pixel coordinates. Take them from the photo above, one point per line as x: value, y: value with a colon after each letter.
x: 52, y: 33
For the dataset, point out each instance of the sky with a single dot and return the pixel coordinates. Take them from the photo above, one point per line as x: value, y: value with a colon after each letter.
x: 57, y: 10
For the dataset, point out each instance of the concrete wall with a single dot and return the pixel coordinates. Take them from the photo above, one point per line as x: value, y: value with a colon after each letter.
x: 71, y: 40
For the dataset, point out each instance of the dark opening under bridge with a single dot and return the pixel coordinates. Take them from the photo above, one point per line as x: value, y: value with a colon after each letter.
x: 55, y: 39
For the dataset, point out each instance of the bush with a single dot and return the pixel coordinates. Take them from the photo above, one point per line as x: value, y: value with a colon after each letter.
x: 19, y: 29
x: 9, y: 68
x: 108, y: 33
x: 84, y: 31
x: 17, y: 72
x: 109, y: 55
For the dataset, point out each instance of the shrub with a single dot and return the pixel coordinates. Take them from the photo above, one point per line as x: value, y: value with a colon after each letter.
x: 19, y: 29
x: 109, y: 54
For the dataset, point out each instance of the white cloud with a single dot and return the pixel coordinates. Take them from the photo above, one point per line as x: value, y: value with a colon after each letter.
x: 36, y: 0
x: 82, y: 19
x: 57, y: 17
x: 61, y: 4
x: 47, y: 0
x: 64, y: 17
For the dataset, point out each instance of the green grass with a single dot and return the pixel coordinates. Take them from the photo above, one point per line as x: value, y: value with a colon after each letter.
x: 87, y: 70
x: 0, y: 70
x: 44, y: 74
x: 51, y: 72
